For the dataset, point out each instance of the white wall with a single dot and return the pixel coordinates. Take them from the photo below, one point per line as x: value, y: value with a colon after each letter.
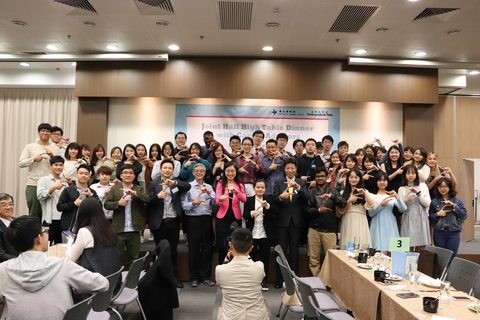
x: 37, y: 78
x: 149, y: 120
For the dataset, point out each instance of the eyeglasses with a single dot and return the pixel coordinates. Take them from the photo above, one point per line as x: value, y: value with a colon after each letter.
x: 7, y: 205
x: 128, y: 172
x: 44, y: 231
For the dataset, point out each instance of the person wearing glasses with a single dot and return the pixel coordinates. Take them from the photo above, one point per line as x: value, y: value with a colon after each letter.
x: 447, y: 213
x: 6, y: 211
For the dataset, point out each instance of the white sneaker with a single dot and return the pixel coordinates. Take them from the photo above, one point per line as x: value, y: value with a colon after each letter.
x: 150, y: 236
x: 142, y: 239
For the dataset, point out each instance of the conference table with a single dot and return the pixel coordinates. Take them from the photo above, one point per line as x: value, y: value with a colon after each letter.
x: 370, y: 300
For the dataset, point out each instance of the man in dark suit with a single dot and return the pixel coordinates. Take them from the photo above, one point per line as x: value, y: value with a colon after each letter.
x: 290, y: 194
x: 165, y: 209
x: 6, y: 211
x: 127, y: 200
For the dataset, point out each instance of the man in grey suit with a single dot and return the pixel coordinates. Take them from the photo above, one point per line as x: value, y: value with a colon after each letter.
x: 165, y: 209
x: 290, y: 194
x: 6, y: 211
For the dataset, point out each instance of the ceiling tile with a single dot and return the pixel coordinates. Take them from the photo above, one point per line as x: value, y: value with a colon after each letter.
x: 198, y: 22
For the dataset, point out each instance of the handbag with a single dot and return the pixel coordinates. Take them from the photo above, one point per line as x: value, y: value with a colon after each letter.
x: 428, y: 264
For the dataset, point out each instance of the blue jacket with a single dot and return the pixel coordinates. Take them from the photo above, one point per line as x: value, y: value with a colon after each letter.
x: 453, y: 219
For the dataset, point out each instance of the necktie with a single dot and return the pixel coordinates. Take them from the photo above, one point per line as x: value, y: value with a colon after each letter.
x: 290, y: 191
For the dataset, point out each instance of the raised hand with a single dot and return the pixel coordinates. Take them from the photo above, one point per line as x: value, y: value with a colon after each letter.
x: 129, y: 192
x: 162, y: 194
x: 123, y: 202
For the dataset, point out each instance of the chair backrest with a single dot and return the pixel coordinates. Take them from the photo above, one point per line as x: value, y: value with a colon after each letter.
x: 103, y: 299
x: 462, y: 274
x: 133, y: 275
x: 444, y: 256
x: 306, y: 292
x: 289, y: 283
x: 281, y: 254
x: 79, y: 311
x: 476, y: 287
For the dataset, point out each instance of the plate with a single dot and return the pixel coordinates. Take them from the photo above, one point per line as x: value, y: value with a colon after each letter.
x: 472, y: 307
x: 429, y: 282
x: 365, y: 265
x: 394, y: 277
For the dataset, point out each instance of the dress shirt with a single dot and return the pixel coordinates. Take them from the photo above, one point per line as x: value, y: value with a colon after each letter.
x: 204, y: 208
x: 258, y: 231
x: 128, y: 213
x: 102, y: 196
x: 6, y: 222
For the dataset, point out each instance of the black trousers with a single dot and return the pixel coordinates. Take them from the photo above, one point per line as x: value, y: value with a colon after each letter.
x: 261, y: 247
x: 55, y: 232
x: 289, y: 236
x: 170, y: 230
x: 200, y: 237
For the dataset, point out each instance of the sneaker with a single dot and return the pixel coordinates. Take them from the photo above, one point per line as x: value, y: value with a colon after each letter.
x: 208, y: 283
x: 265, y: 286
x: 150, y: 236
x: 142, y: 239
x: 194, y: 283
x: 179, y: 284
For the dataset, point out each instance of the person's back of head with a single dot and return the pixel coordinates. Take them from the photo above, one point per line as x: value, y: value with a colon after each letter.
x: 22, y: 231
x: 242, y: 240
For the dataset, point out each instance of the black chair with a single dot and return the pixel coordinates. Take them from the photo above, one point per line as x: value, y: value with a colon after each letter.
x: 444, y: 256
x: 462, y: 274
x: 103, y: 299
x: 476, y: 287
x: 331, y: 315
x: 79, y: 311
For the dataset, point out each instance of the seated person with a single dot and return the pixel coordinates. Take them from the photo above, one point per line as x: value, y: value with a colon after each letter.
x: 6, y: 211
x: 240, y: 280
x: 36, y: 286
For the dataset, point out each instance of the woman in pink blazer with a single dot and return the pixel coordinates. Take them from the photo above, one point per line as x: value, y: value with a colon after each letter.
x: 229, y: 193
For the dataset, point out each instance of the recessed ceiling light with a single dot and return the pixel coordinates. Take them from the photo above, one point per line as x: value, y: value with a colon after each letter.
x: 173, y: 47
x: 19, y: 23
x: 51, y: 47
x: 25, y: 64
x: 474, y: 72
x: 360, y: 51
x: 111, y: 47
x: 162, y: 23
x: 90, y: 24
x: 267, y: 48
x: 382, y: 29
x: 420, y: 54
x: 452, y: 32
x: 272, y: 25
x: 74, y: 64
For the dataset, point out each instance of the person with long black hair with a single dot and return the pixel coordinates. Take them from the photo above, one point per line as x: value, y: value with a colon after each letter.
x: 129, y: 156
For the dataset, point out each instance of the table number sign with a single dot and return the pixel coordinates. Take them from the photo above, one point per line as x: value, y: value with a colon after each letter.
x: 399, y: 244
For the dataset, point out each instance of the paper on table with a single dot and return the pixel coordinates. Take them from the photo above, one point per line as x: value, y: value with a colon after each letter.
x: 441, y: 318
x: 397, y: 287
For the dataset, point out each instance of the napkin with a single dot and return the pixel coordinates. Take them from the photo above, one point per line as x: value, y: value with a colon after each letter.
x: 430, y: 281
x: 441, y: 318
x: 397, y: 287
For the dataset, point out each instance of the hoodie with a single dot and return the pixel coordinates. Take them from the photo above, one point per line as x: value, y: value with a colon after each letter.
x: 36, y: 286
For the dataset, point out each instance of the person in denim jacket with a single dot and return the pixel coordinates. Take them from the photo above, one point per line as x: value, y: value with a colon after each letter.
x: 448, y: 213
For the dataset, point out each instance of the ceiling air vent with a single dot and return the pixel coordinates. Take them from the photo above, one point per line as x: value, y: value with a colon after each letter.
x: 79, y: 4
x: 235, y: 15
x: 154, y: 7
x: 435, y: 14
x: 353, y: 18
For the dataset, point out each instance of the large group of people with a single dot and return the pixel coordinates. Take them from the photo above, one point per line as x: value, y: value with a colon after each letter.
x: 318, y: 195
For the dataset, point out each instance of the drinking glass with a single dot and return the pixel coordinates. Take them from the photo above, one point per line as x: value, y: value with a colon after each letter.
x: 356, y: 243
x: 444, y: 292
x: 414, y: 278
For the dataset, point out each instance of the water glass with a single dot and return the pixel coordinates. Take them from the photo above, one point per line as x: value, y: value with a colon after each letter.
x: 445, y: 292
x: 414, y: 279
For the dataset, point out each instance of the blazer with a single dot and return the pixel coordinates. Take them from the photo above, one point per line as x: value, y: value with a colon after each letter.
x: 6, y: 249
x: 67, y: 206
x: 240, y: 281
x: 286, y: 209
x: 156, y: 206
x: 237, y: 198
x: 138, y: 207
x: 267, y: 216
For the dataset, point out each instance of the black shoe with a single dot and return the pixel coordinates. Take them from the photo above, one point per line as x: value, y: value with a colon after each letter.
x: 179, y: 284
x: 264, y: 286
x: 278, y: 284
